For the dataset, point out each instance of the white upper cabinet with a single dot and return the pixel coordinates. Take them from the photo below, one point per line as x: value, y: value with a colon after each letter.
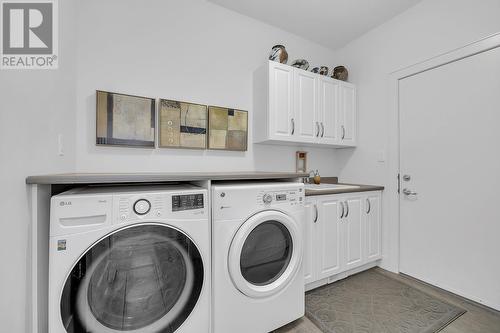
x: 327, y: 110
x: 348, y: 114
x: 306, y: 100
x: 294, y: 106
x: 281, y: 120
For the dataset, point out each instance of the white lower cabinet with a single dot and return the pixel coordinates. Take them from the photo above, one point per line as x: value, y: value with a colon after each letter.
x: 309, y: 233
x: 327, y: 231
x: 354, y: 232
x: 373, y: 226
x: 342, y: 233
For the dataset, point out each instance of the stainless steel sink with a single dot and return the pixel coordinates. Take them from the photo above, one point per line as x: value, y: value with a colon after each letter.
x: 326, y: 187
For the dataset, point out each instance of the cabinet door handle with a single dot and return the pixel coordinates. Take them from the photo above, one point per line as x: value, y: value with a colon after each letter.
x: 347, y: 205
x: 293, y: 126
x: 343, y: 209
x: 316, y: 214
x: 322, y: 129
x: 317, y: 129
x: 369, y: 206
x: 343, y: 132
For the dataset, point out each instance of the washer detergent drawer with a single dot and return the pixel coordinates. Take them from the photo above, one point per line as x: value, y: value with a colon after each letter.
x: 70, y: 215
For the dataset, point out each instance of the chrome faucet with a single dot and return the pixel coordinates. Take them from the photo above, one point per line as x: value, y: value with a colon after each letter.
x: 307, y: 180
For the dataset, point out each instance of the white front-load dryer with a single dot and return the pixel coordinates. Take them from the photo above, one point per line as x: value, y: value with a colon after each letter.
x: 258, y: 282
x: 130, y: 259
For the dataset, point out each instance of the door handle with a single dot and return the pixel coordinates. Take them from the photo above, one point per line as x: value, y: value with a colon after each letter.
x: 316, y: 215
x: 322, y: 129
x: 293, y: 125
x: 343, y: 132
x: 342, y: 204
x: 347, y: 205
x: 317, y: 129
x: 409, y: 192
x: 369, y: 206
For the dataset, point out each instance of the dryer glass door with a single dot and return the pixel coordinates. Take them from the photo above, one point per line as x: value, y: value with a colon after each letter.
x: 265, y: 254
x: 144, y: 278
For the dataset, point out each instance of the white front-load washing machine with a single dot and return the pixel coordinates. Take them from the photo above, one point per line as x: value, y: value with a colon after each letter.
x: 130, y: 259
x: 258, y: 282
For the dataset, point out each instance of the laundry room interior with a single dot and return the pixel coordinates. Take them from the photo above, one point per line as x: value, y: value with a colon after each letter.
x: 221, y: 166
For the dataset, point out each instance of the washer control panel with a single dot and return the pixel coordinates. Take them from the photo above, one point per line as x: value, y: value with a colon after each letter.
x: 153, y: 206
x: 187, y: 202
x: 142, y: 207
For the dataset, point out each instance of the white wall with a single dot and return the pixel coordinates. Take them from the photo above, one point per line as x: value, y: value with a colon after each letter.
x: 189, y: 50
x: 35, y: 106
x: 430, y: 28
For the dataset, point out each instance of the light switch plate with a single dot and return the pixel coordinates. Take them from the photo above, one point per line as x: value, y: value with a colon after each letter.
x: 381, y: 156
x: 60, y: 145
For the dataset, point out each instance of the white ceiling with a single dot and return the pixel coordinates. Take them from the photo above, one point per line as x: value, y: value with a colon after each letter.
x: 332, y: 23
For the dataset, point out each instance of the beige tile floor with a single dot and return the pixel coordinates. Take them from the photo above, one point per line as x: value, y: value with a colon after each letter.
x: 477, y: 319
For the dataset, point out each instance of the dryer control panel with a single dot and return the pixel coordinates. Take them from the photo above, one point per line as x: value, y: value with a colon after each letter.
x: 293, y: 197
x: 238, y: 200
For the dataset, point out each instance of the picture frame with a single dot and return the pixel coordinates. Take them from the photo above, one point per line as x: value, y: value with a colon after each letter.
x: 125, y: 120
x: 227, y: 129
x: 182, y: 124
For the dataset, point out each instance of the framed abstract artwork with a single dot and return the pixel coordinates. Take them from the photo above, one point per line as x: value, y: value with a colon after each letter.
x: 227, y: 129
x: 182, y: 125
x: 125, y: 120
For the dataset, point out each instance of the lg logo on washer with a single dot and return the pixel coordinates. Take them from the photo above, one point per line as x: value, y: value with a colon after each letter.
x: 29, y: 34
x: 61, y: 245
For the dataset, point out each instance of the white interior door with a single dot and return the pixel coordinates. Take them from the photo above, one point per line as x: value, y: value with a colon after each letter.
x: 450, y: 147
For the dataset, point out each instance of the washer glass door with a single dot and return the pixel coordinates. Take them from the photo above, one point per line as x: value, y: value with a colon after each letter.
x: 144, y: 278
x: 265, y: 254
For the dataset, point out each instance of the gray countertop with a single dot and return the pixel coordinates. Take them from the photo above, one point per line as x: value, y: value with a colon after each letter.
x: 334, y: 180
x: 146, y: 177
x: 360, y: 188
